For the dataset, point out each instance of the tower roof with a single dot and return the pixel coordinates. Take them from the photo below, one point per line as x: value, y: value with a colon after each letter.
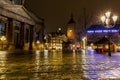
x: 71, y: 20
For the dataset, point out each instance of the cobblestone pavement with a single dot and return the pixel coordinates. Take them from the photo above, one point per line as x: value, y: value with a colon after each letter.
x: 56, y: 65
x: 101, y: 66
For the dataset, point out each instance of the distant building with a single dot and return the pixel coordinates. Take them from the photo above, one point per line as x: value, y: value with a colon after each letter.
x: 55, y: 40
x: 98, y: 37
x: 20, y: 27
x: 73, y: 34
x: 97, y: 32
x: 71, y: 30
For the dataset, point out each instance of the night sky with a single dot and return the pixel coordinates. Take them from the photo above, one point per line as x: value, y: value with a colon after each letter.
x: 57, y: 12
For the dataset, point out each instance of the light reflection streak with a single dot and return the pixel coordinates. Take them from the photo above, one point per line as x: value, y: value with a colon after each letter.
x: 116, y: 73
x: 3, y: 59
x: 101, y: 66
x: 57, y: 56
x: 112, y: 73
x: 2, y: 77
x: 45, y: 54
x: 85, y: 63
x: 46, y: 61
x: 92, y: 54
x: 74, y: 58
x: 37, y: 63
x: 37, y: 60
x: 56, y: 60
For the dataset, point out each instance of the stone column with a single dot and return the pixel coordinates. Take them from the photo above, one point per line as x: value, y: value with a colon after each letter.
x: 10, y: 31
x: 22, y: 35
x: 31, y: 37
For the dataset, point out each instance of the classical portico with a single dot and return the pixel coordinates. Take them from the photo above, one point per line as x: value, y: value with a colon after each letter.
x: 17, y: 25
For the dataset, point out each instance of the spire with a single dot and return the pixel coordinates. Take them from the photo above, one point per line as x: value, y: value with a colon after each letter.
x: 71, y: 15
x: 71, y: 20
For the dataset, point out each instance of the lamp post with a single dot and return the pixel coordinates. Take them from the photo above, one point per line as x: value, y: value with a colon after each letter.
x: 3, y: 38
x: 106, y: 20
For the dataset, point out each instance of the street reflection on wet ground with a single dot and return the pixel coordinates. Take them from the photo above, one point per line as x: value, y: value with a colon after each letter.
x: 55, y: 65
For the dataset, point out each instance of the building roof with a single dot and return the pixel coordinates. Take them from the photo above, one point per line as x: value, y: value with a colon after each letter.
x: 17, y: 12
x: 96, y: 27
x: 104, y: 40
x: 34, y: 17
x: 5, y: 2
x: 116, y: 26
x: 18, y: 9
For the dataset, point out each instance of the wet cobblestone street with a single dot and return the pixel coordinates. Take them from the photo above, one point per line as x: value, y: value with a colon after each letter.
x: 56, y: 65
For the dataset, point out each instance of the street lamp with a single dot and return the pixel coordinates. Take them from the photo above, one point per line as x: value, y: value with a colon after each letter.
x: 3, y: 38
x: 106, y: 19
x: 84, y: 43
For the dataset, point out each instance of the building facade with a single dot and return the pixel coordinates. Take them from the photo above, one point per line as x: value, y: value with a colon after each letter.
x: 18, y: 26
x: 101, y: 38
x: 71, y: 30
x: 54, y: 40
x: 97, y: 32
x: 73, y: 34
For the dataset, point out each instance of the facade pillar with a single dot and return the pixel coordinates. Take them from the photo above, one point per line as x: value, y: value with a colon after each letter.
x: 22, y: 35
x: 41, y: 33
x: 9, y: 32
x: 31, y: 37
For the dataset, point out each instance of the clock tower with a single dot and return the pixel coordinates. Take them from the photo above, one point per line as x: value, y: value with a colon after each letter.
x: 71, y: 29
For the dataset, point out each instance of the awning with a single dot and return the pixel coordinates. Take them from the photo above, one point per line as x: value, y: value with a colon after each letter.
x: 104, y: 40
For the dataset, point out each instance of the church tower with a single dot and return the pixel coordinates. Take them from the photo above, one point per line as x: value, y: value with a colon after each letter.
x: 18, y: 2
x: 71, y: 29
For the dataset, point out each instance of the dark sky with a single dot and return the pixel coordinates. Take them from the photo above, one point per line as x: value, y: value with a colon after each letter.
x: 57, y: 12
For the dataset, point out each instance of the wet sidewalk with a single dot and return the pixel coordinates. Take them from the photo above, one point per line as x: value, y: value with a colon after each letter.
x: 56, y: 65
